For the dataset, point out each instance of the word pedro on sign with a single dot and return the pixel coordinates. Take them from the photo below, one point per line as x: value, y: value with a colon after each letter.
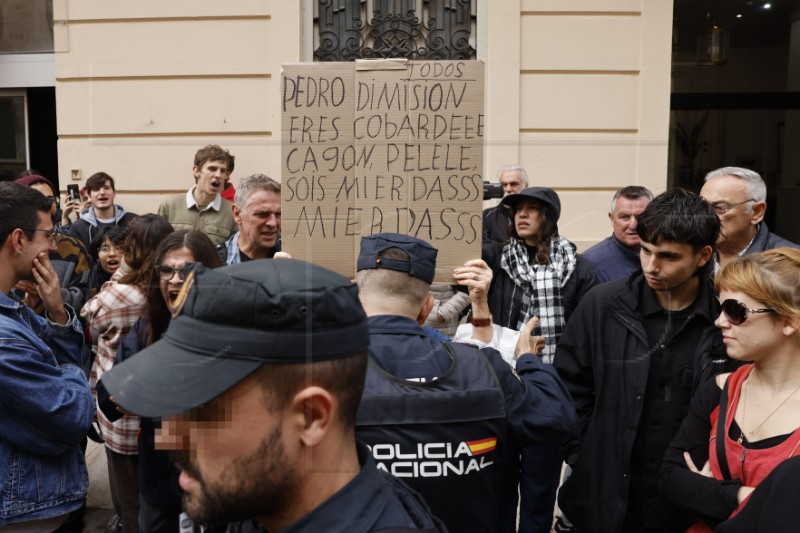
x: 382, y: 146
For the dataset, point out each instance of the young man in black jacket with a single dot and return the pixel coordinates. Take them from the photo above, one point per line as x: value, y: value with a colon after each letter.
x: 632, y: 355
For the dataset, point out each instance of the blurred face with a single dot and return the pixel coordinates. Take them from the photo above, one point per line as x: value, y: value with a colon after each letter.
x: 528, y: 220
x: 169, y: 273
x: 260, y: 223
x: 624, y: 218
x: 512, y: 182
x: 738, y: 213
x: 756, y: 337
x: 102, y: 198
x: 670, y: 265
x: 211, y: 177
x: 233, y: 457
x: 109, y: 255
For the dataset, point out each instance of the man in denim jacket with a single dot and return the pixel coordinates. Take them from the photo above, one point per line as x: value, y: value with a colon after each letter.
x: 46, y: 405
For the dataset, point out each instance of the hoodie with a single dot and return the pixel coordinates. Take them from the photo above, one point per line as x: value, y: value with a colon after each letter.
x: 87, y: 226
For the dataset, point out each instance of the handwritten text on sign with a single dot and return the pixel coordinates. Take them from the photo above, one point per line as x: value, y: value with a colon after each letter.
x: 395, y: 148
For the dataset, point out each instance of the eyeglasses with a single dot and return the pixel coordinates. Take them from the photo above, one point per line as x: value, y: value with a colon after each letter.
x: 721, y: 208
x: 736, y: 312
x: 53, y: 200
x: 52, y: 234
x: 106, y: 249
x: 165, y: 272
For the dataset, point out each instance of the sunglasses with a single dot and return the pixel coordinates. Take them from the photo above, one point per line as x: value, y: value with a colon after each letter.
x: 736, y: 312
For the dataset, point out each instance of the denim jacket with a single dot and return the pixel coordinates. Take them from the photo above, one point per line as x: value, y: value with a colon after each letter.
x: 46, y: 408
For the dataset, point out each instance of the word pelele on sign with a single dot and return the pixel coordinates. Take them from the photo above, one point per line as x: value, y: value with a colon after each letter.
x: 382, y: 146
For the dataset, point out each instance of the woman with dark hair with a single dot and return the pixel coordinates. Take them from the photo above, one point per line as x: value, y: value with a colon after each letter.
x: 160, y: 495
x: 110, y: 315
x: 537, y: 272
x: 107, y: 251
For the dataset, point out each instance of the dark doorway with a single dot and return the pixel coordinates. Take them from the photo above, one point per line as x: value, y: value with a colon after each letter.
x: 736, y: 96
x: 42, y: 132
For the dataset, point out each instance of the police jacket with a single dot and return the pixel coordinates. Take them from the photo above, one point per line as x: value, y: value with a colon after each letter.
x: 603, y: 358
x: 439, y: 416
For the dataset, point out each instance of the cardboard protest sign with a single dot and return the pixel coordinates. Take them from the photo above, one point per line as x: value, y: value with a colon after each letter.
x: 382, y: 146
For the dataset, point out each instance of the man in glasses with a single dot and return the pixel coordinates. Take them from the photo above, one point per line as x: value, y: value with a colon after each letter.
x: 739, y: 197
x: 70, y: 258
x: 46, y: 406
x: 632, y: 355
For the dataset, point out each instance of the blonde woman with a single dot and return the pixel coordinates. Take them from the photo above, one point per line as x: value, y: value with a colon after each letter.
x: 742, y: 425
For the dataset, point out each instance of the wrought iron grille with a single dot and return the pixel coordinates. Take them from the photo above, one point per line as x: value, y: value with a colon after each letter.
x: 415, y: 29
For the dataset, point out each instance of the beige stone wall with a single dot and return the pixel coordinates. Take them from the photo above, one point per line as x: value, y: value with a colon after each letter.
x: 577, y: 91
x: 142, y: 85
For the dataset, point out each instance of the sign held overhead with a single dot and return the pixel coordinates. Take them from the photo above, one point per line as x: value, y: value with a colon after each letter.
x: 382, y: 146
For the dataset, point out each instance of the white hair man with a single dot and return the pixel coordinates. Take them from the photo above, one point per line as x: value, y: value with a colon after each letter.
x: 739, y: 198
x: 257, y: 212
x: 513, y: 178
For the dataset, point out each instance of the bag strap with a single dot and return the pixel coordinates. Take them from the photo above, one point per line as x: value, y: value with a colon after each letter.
x: 722, y: 457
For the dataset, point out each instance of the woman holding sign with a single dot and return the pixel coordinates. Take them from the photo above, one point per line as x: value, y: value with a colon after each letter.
x: 537, y: 272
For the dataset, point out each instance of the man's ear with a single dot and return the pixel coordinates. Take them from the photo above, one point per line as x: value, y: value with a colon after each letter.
x: 313, y: 412
x: 427, y: 305
x: 196, y: 172
x: 611, y: 218
x: 757, y: 213
x: 15, y: 241
x: 237, y: 214
x: 704, y: 256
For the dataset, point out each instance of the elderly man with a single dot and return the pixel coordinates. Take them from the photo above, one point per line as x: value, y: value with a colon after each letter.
x: 617, y: 256
x: 739, y: 197
x: 46, y: 406
x: 451, y: 411
x: 513, y: 178
x: 258, y: 379
x: 257, y: 212
x: 202, y: 207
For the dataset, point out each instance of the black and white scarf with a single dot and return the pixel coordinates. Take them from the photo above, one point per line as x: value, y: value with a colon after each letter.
x: 537, y: 288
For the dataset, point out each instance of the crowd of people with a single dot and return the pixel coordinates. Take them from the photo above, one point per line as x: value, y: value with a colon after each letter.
x: 649, y: 384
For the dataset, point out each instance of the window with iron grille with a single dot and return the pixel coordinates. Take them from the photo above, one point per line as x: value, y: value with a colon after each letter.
x: 346, y: 30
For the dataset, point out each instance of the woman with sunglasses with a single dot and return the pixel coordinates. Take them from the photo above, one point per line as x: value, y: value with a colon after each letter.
x: 742, y: 425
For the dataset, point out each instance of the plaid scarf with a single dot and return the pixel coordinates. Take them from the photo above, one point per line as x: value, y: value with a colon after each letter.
x: 537, y: 288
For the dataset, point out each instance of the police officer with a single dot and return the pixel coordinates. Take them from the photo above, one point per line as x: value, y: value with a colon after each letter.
x: 259, y: 378
x: 440, y: 415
